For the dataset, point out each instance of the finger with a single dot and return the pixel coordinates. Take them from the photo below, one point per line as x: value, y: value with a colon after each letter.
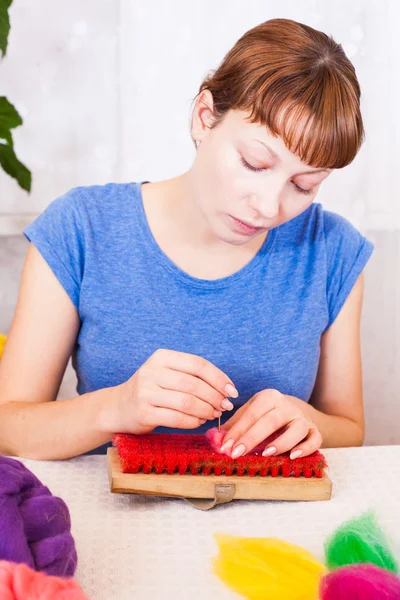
x: 226, y: 442
x: 312, y: 443
x: 295, y: 432
x: 253, y: 428
x: 260, y: 403
x: 168, y: 379
x: 166, y: 417
x: 233, y: 419
x: 199, y: 367
x: 184, y: 403
x: 227, y: 426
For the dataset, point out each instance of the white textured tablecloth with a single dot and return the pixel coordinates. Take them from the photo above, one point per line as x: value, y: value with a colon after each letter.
x: 146, y: 548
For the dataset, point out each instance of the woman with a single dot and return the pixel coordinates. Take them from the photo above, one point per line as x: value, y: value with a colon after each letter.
x: 227, y: 281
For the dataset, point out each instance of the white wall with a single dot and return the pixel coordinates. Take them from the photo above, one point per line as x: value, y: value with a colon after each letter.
x: 105, y: 89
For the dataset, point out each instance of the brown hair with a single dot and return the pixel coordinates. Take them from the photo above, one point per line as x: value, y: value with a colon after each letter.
x: 285, y: 73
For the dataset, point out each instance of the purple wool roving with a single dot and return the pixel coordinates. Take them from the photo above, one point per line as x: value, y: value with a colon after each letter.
x: 35, y: 526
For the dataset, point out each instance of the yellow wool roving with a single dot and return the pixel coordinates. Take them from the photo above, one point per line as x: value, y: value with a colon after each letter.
x: 261, y: 568
x: 3, y: 340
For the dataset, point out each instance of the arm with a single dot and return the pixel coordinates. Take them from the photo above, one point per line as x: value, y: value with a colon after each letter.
x: 172, y: 389
x: 336, y: 404
x: 335, y: 416
x: 39, y: 344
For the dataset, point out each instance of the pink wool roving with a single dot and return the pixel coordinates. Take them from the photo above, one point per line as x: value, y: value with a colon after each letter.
x: 20, y: 582
x: 215, y: 438
x: 360, y: 582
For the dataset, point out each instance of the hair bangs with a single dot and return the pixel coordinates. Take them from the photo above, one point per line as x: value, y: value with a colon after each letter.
x: 297, y: 82
x: 314, y: 123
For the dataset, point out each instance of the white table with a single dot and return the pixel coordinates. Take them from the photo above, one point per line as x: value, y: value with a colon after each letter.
x: 146, y: 548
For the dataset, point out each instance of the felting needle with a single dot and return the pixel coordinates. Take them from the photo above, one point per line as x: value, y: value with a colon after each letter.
x: 219, y: 423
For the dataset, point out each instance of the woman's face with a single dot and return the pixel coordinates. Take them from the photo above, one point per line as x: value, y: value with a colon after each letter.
x: 242, y: 172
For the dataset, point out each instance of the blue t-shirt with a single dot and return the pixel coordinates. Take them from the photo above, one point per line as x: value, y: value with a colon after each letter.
x: 262, y: 325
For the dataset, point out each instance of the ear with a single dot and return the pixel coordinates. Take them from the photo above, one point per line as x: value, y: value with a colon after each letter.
x: 203, y: 116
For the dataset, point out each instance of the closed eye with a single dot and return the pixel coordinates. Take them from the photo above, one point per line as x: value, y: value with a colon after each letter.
x: 302, y: 190
x: 246, y: 164
x: 298, y: 189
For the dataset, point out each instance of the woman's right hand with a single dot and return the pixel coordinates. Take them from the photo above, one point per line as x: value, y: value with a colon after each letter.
x: 171, y: 389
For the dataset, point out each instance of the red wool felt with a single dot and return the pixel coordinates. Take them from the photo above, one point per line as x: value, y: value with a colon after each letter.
x: 192, y: 453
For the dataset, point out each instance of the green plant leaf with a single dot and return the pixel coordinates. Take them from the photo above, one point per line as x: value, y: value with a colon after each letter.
x: 14, y: 167
x: 5, y: 134
x: 4, y: 25
x: 9, y: 116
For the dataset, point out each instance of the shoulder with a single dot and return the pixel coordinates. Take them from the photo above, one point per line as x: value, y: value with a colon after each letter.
x: 344, y: 243
x: 346, y: 252
x: 317, y: 226
x: 81, y: 213
x: 92, y: 197
x: 92, y: 208
x: 338, y: 229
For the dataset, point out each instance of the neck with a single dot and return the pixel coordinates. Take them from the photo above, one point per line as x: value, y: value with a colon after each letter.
x: 178, y: 214
x: 184, y: 215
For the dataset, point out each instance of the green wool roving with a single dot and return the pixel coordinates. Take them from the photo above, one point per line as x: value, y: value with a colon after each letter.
x: 360, y: 540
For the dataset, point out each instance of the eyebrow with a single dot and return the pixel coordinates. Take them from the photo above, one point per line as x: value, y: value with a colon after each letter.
x: 274, y: 155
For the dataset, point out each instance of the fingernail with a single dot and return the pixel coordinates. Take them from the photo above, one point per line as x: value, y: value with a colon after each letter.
x: 241, y: 449
x: 227, y: 445
x: 296, y: 454
x: 217, y: 413
x: 226, y: 404
x: 269, y: 451
x: 231, y: 391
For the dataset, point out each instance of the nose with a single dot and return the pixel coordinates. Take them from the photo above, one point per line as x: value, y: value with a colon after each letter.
x: 266, y: 206
x: 270, y: 209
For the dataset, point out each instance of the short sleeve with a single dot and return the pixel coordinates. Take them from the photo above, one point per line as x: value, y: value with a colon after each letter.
x: 347, y: 253
x: 58, y: 235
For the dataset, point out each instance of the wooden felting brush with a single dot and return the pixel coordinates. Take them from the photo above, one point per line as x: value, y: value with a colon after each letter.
x: 188, y: 466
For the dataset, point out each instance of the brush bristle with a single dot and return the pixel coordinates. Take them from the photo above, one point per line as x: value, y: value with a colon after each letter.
x: 191, y: 453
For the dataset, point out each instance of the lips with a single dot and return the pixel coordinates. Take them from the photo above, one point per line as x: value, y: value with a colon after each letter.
x: 249, y: 225
x: 244, y: 227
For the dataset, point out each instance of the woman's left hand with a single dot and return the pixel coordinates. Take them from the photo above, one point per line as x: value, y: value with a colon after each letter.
x: 263, y: 415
